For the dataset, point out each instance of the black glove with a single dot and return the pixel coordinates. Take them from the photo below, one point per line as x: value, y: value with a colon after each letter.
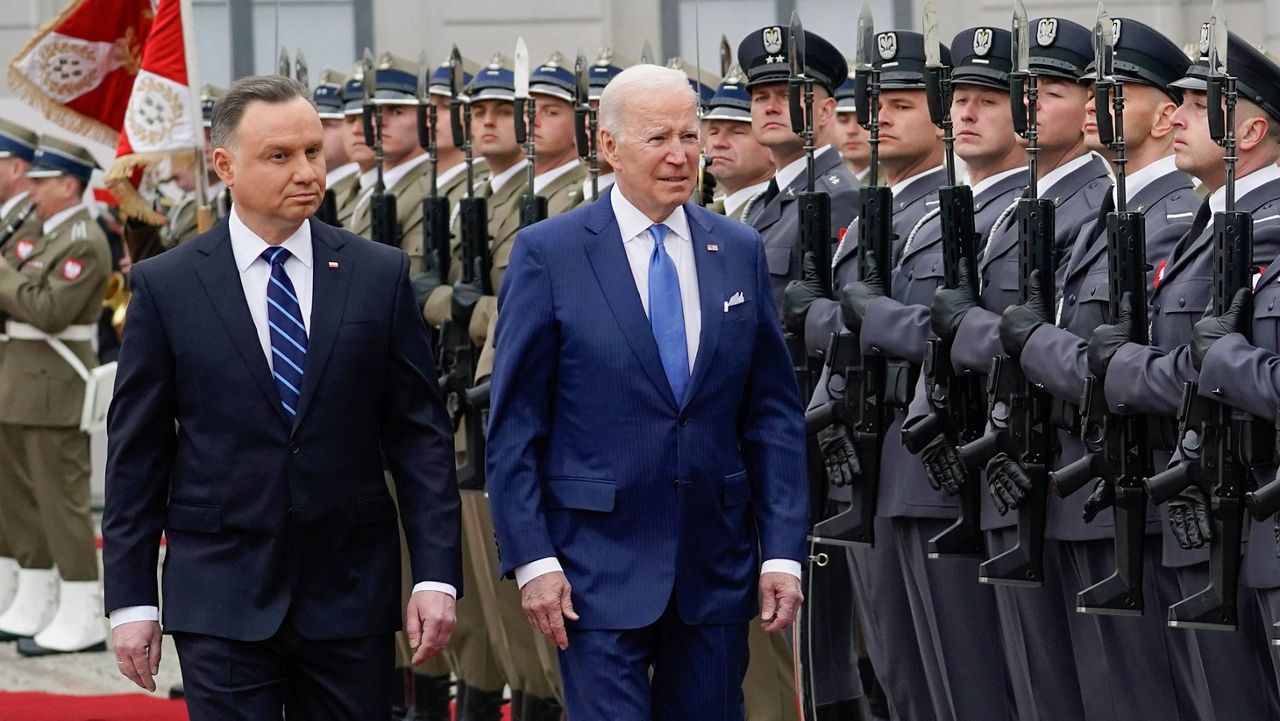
x: 942, y: 465
x: 840, y: 458
x: 1211, y: 328
x: 1007, y: 483
x: 1277, y: 535
x: 465, y: 297
x: 1103, y: 496
x: 950, y: 304
x: 857, y: 296
x: 1018, y: 322
x: 424, y: 284
x: 1189, y: 518
x: 708, y: 188
x: 800, y: 294
x: 1107, y: 339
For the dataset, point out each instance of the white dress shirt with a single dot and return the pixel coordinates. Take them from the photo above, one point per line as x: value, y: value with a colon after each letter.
x: 255, y: 274
x: 634, y: 225
x: 340, y: 173
x: 603, y: 183
x: 547, y: 177
x: 1244, y: 186
x: 12, y: 203
x: 737, y: 198
x: 499, y: 181
x: 788, y: 173
x: 369, y: 179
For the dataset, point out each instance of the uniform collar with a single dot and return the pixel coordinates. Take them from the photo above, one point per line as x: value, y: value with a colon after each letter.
x: 60, y: 217
x: 247, y: 246
x: 1062, y: 171
x: 497, y: 182
x: 340, y: 173
x: 788, y: 173
x: 396, y: 174
x: 632, y: 223
x: 901, y: 185
x: 1134, y: 182
x: 12, y: 203
x: 547, y: 177
x: 1244, y: 185
x: 991, y: 180
x: 734, y: 200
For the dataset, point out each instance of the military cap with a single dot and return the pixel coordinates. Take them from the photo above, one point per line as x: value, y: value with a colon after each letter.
x: 847, y: 95
x: 900, y: 59
x: 55, y: 157
x: 209, y: 95
x: 395, y: 81
x: 1143, y: 55
x: 1059, y: 48
x: 763, y: 54
x: 495, y: 81
x: 17, y: 141
x: 553, y: 78
x: 731, y: 100
x: 327, y: 94
x: 439, y: 82
x: 702, y: 82
x: 1257, y: 76
x: 353, y: 92
x: 605, y: 68
x: 982, y: 57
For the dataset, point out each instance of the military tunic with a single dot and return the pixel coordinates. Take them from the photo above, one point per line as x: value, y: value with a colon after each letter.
x: 408, y: 190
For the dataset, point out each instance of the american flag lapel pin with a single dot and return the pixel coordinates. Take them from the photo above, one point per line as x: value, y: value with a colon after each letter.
x: 333, y: 264
x: 713, y: 248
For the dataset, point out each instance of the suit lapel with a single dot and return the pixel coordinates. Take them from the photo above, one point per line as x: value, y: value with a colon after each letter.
x: 221, y: 280
x: 328, y: 299
x: 613, y: 272
x: 710, y: 268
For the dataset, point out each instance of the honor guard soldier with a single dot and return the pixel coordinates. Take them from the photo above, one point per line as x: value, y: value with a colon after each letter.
x: 342, y: 172
x: 1149, y: 379
x: 182, y: 220
x: 599, y: 73
x: 353, y: 144
x: 1145, y: 67
x: 741, y: 165
x: 955, y: 618
x: 557, y: 171
x: 850, y: 137
x: 19, y: 223
x: 52, y: 297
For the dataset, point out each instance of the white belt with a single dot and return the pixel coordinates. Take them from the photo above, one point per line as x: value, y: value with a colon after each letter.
x: 25, y: 331
x: 99, y: 382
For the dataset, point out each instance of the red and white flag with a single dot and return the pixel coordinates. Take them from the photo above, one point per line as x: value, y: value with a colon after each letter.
x: 79, y: 69
x: 160, y: 121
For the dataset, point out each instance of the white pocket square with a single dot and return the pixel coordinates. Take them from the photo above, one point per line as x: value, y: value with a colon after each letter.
x: 735, y: 299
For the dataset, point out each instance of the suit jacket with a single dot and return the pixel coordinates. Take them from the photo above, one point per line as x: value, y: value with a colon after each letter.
x: 644, y: 501
x: 265, y: 516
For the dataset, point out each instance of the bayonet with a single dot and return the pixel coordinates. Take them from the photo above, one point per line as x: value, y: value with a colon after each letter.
x: 1021, y: 39
x: 866, y: 81
x: 646, y: 54
x: 726, y: 56
x: 932, y: 52
x: 300, y: 72
x: 282, y: 65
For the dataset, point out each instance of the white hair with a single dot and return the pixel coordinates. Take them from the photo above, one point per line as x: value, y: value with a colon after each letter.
x: 643, y: 80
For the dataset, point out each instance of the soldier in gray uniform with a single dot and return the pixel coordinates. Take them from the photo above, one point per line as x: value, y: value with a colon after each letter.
x: 953, y: 615
x: 1149, y: 379
x: 1043, y: 634
x: 1165, y: 685
x: 850, y: 138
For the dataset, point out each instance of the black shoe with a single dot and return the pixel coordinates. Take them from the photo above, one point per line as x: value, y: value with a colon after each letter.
x: 479, y: 705
x: 541, y: 708
x: 877, y: 700
x: 517, y: 705
x: 840, y: 711
x: 431, y: 698
x: 29, y: 648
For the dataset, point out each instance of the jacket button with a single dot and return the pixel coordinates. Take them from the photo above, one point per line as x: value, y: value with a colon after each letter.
x: 1271, y: 304
x: 684, y: 420
x: 1182, y: 302
x: 294, y: 449
x: 1071, y: 300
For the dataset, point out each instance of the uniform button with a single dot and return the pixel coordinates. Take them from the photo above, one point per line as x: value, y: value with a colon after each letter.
x: 1182, y: 302
x: 295, y: 450
x: 1120, y: 407
x: 934, y: 268
x: 986, y: 280
x: 1071, y: 299
x: 1271, y: 304
x: 1093, y: 291
x: 911, y: 274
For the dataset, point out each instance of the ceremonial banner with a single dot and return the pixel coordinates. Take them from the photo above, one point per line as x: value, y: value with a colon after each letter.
x: 159, y: 122
x: 79, y: 69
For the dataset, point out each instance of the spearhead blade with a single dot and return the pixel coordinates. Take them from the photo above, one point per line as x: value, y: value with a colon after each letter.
x: 932, y: 51
x: 726, y: 56
x: 1021, y: 39
x: 1103, y: 46
x: 300, y: 72
x: 795, y: 57
x: 1218, y: 40
x: 282, y: 66
x: 582, y: 82
x: 866, y: 40
x: 424, y: 77
x: 366, y: 64
x: 646, y: 54
x: 522, y: 69
x: 455, y: 73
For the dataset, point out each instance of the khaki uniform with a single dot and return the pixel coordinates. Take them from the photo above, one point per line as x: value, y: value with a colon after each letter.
x: 58, y: 286
x: 409, y: 192
x: 24, y: 235
x: 345, y: 193
x: 182, y: 225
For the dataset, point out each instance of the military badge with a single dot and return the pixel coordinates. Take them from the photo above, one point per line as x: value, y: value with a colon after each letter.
x: 25, y: 248
x: 1115, y: 31
x: 1204, y: 38
x: 1047, y: 31
x: 982, y: 38
x: 772, y: 40
x: 887, y: 44
x: 72, y: 268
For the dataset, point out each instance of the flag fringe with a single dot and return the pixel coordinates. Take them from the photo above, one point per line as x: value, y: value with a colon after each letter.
x: 133, y: 205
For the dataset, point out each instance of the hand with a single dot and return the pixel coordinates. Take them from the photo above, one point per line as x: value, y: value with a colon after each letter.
x: 430, y: 617
x: 1018, y: 322
x: 857, y: 296
x: 950, y: 306
x: 547, y: 602
x: 1007, y: 483
x: 137, y: 648
x: 800, y: 294
x: 1103, y: 496
x: 839, y: 456
x: 708, y: 188
x: 1107, y: 339
x: 942, y: 465
x: 463, y: 303
x: 780, y: 598
x: 424, y: 284
x: 1189, y: 518
x: 1210, y: 328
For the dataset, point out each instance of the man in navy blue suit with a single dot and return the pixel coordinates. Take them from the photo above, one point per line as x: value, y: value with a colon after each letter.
x: 646, y: 440
x: 271, y: 366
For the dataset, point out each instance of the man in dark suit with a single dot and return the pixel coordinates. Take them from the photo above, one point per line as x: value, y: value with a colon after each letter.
x: 271, y: 366
x: 646, y: 435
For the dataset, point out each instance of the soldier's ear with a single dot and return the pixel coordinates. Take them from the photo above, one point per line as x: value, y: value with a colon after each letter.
x: 1252, y: 132
x: 1162, y: 120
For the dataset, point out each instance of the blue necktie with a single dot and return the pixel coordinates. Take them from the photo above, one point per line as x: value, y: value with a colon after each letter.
x: 666, y: 314
x: 288, y: 333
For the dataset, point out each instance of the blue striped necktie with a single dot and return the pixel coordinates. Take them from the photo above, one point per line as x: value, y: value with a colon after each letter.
x: 666, y: 314
x: 288, y: 333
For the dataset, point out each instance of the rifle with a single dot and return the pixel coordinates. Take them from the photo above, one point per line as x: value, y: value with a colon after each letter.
x: 458, y: 354
x: 956, y: 402
x: 585, y: 124
x: 1117, y: 447
x: 384, y: 228
x: 864, y: 375
x: 1218, y: 441
x: 1020, y: 411
x: 435, y: 208
x: 533, y: 207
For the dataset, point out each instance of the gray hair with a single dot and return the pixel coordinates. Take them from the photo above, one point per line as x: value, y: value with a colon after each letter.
x: 227, y: 112
x: 639, y: 80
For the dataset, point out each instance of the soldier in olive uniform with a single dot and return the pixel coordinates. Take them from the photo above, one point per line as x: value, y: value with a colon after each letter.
x: 52, y: 296
x: 354, y: 146
x: 19, y: 223
x: 341, y: 171
x: 599, y: 73
x: 182, y: 222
